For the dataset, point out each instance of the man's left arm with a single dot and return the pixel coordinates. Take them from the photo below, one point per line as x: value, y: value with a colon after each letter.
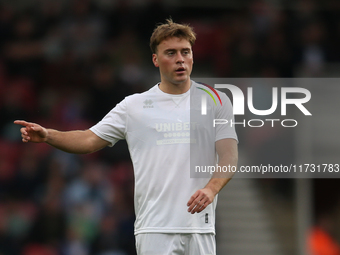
x: 228, y: 157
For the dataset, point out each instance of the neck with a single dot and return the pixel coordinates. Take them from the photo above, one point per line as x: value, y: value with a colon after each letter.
x: 171, y: 88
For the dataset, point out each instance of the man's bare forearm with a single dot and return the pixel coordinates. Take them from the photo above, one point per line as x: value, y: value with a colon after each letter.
x: 77, y: 141
x: 219, y: 180
x: 228, y: 158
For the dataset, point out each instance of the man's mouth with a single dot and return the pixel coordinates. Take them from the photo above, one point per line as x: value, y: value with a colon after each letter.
x: 180, y: 70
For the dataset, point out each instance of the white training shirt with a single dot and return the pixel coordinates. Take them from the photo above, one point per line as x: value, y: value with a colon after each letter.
x: 157, y: 128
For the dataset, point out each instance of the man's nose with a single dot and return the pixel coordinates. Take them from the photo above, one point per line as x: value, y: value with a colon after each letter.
x: 179, y: 58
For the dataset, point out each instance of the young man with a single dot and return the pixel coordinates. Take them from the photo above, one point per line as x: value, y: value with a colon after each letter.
x: 174, y: 213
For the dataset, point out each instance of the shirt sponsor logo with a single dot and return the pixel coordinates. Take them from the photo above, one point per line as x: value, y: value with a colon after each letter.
x: 179, y: 126
x: 175, y: 132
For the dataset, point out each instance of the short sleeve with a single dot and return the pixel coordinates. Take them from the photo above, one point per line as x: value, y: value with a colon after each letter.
x: 225, y: 112
x: 112, y: 127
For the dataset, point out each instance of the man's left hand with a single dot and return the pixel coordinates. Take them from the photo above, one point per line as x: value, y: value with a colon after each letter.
x: 200, y: 200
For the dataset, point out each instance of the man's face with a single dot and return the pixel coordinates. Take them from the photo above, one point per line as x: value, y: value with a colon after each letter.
x: 175, y: 59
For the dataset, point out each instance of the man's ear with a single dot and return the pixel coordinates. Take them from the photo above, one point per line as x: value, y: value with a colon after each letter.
x: 155, y: 60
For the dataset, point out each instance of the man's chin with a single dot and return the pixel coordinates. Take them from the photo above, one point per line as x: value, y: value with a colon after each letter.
x: 181, y: 80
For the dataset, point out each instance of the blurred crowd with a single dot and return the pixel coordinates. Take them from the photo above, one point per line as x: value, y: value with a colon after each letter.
x: 65, y: 64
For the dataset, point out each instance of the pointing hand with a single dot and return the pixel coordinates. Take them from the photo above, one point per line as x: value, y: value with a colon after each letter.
x: 32, y: 132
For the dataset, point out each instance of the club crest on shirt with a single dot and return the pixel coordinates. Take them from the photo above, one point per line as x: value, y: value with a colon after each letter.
x: 148, y: 103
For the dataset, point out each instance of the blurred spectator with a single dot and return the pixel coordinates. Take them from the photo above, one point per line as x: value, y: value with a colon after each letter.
x: 108, y: 238
x: 17, y: 101
x: 49, y: 227
x: 83, y: 30
x: 106, y: 90
x: 90, y: 193
x: 321, y: 239
x: 16, y: 217
x: 23, y: 50
x: 313, y: 52
x: 29, y: 177
x: 9, y: 154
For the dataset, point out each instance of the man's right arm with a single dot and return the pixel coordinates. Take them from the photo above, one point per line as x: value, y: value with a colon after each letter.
x: 77, y: 141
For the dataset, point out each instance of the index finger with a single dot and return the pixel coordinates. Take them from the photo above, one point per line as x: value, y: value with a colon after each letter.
x: 22, y: 122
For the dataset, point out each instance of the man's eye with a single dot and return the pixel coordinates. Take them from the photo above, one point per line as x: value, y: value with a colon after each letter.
x: 170, y: 53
